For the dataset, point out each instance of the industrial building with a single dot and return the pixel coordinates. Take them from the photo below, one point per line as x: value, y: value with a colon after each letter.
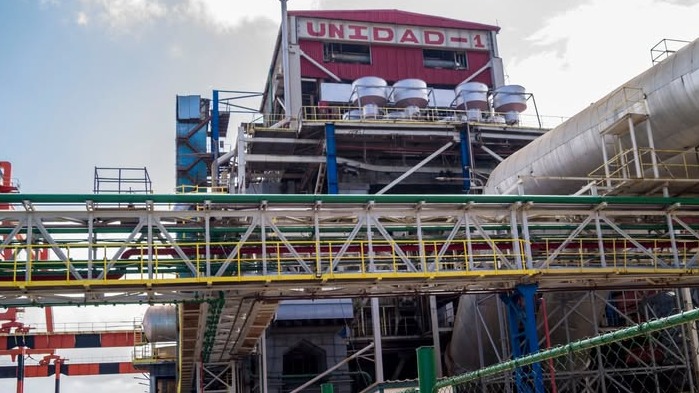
x: 373, y: 102
x: 395, y: 193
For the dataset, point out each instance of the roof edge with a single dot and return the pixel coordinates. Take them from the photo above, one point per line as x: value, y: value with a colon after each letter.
x: 394, y: 16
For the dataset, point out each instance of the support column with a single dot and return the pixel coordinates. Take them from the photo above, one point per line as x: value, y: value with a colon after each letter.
x: 263, y: 368
x: 605, y: 158
x: 692, y: 330
x: 240, y: 148
x: 331, y: 158
x: 149, y: 239
x: 234, y: 377
x: 466, y: 158
x: 285, y: 59
x: 199, y: 377
x: 524, y: 340
x: 634, y: 146
x: 376, y: 327
x: 435, y: 336
x: 214, y: 139
x: 57, y: 373
x: 20, y: 371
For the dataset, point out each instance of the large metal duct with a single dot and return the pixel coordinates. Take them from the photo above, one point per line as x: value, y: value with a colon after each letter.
x: 574, y: 149
x: 478, y: 334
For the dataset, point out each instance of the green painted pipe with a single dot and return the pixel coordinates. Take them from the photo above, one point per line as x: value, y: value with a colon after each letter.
x: 339, y: 199
x: 576, y: 346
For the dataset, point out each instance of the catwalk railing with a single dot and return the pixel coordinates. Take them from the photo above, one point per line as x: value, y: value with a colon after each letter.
x: 132, y: 248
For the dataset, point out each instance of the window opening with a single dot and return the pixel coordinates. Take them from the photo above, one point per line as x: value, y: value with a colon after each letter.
x: 346, y: 53
x: 453, y: 60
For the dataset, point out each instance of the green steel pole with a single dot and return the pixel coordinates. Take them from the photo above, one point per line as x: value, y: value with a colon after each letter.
x: 326, y: 388
x: 425, y: 369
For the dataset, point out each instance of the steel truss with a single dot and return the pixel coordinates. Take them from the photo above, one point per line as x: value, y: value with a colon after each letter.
x: 664, y: 361
x: 170, y: 248
x: 222, y: 377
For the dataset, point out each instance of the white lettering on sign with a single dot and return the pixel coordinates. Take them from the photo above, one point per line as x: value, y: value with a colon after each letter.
x: 338, y: 30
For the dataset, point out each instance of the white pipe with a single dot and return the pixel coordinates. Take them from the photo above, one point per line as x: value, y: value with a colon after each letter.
x: 475, y: 74
x: 492, y: 153
x: 225, y: 158
x: 281, y: 123
x: 320, y: 66
x: 415, y: 168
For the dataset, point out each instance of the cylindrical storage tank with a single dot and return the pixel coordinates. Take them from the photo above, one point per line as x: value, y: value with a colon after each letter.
x: 509, y: 101
x: 160, y: 323
x: 369, y: 90
x: 509, y: 98
x: 471, y: 95
x: 410, y: 92
x: 574, y: 148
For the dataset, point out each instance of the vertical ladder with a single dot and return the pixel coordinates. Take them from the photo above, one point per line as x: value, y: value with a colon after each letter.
x: 320, y: 179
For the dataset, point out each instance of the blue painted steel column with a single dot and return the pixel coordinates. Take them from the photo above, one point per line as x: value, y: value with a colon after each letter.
x: 466, y: 158
x: 524, y: 340
x: 214, y: 126
x: 331, y: 158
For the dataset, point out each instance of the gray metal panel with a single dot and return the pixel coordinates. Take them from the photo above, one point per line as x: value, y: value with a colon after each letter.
x: 497, y: 71
x: 315, y: 309
x: 335, y: 92
x: 442, y: 98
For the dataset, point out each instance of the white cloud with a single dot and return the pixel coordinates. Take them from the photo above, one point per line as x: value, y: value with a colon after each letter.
x: 226, y: 14
x: 123, y: 15
x: 175, y: 51
x: 588, y: 51
x: 81, y: 18
x: 48, y: 3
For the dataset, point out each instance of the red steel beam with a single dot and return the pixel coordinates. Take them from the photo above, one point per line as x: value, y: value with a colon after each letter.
x: 44, y: 341
x: 79, y: 369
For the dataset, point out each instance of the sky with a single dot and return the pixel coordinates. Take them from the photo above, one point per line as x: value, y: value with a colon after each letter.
x: 87, y: 83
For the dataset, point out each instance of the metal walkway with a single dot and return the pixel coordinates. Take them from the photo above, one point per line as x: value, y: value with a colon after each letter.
x: 112, y: 249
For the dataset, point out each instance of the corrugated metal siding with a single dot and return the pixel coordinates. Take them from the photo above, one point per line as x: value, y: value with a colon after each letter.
x: 392, y: 63
x: 395, y: 16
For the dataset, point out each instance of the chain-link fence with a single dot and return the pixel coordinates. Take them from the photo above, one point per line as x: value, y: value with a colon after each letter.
x: 652, y: 356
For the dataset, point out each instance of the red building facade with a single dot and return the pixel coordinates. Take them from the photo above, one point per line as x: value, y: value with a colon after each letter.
x: 342, y: 46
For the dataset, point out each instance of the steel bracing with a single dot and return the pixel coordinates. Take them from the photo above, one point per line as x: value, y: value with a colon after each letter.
x: 169, y: 248
x: 663, y: 361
